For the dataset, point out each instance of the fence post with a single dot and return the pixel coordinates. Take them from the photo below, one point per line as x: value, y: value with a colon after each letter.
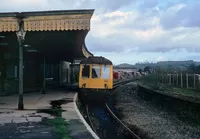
x: 181, y: 80
x: 186, y: 80
x: 194, y: 81
x: 177, y: 79
x: 170, y: 81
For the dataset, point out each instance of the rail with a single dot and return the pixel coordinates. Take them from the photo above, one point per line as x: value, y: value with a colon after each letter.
x: 120, y: 122
x: 89, y: 120
x: 118, y: 83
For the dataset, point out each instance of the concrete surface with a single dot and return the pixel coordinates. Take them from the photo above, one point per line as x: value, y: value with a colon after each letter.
x: 27, y: 123
x: 77, y: 127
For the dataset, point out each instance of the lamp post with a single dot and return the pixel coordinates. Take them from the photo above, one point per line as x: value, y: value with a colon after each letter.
x: 21, y: 38
x: 21, y: 66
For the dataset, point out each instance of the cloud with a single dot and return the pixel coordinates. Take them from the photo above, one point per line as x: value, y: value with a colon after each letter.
x: 118, y: 31
x: 182, y: 14
x: 195, y: 57
x: 146, y: 4
x: 100, y: 5
x: 148, y: 29
x: 160, y: 58
x: 104, y: 44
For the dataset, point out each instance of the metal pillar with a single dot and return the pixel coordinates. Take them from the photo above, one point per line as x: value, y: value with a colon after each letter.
x: 60, y: 72
x: 72, y: 72
x: 44, y: 76
x: 20, y: 36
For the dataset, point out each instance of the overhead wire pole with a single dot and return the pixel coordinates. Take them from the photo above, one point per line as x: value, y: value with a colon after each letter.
x: 20, y: 37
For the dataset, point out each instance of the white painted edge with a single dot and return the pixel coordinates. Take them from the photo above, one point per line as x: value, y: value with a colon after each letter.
x: 83, y: 120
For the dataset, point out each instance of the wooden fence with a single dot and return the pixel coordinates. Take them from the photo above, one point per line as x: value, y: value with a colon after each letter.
x: 183, y: 80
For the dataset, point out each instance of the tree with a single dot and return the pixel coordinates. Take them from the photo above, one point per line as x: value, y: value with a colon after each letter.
x: 147, y: 69
x: 140, y: 71
x: 192, y: 68
x: 197, y: 69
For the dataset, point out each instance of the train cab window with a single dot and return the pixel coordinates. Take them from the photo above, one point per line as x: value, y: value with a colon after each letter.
x: 95, y: 71
x: 105, y: 72
x: 85, y: 71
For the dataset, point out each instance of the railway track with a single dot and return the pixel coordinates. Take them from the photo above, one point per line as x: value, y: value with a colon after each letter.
x: 134, y: 135
x: 118, y: 83
x: 105, y: 123
x: 89, y: 119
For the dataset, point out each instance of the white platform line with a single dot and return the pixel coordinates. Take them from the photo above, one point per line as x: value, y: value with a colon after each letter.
x: 83, y: 120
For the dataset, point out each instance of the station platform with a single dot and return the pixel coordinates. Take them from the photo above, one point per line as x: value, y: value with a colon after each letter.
x: 12, y: 121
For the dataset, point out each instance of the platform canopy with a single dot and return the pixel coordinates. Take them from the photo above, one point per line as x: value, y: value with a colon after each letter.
x: 59, y: 35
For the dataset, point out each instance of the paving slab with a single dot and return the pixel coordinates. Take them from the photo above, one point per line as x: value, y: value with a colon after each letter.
x: 27, y: 123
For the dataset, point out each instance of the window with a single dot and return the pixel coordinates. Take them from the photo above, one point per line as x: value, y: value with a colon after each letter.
x: 95, y: 71
x: 85, y: 71
x: 106, y: 72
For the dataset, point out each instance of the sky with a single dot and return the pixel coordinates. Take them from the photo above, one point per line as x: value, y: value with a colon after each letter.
x: 131, y: 31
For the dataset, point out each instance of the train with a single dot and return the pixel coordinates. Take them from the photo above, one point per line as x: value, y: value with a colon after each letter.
x: 95, y: 78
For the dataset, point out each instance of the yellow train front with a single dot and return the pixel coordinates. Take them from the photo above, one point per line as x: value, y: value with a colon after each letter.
x: 95, y: 78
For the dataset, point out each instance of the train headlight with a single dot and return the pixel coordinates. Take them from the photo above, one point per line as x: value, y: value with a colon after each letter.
x: 84, y: 85
x: 106, y: 86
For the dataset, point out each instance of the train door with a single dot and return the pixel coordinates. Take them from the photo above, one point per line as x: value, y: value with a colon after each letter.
x: 96, y: 81
x: 84, y: 76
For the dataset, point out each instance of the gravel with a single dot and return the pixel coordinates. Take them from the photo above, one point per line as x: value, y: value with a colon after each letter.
x: 152, y: 120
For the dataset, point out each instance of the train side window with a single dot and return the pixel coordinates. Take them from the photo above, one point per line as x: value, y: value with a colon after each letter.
x: 106, y: 72
x: 95, y: 71
x: 85, y: 71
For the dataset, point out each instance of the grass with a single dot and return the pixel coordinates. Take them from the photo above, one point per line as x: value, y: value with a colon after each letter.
x: 61, y: 126
x: 153, y: 82
x: 57, y: 112
x: 185, y: 91
x: 58, y: 122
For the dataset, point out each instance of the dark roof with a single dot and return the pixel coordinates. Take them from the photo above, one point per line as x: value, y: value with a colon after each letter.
x: 96, y: 60
x: 42, y: 13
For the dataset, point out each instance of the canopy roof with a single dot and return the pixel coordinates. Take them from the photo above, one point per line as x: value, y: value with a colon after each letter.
x: 58, y: 34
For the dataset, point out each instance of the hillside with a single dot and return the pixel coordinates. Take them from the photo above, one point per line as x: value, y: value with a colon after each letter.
x: 124, y: 65
x: 162, y: 64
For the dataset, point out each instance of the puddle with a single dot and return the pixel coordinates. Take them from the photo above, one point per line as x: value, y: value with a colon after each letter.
x: 58, y: 103
x: 52, y: 112
x: 55, y: 109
